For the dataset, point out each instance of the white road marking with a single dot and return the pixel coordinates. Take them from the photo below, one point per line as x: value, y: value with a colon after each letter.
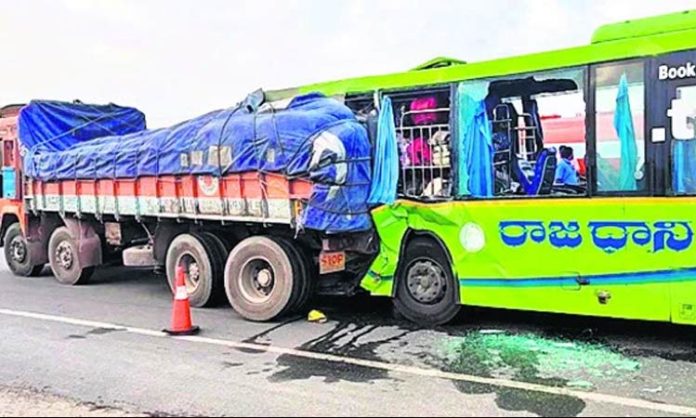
x: 395, y: 368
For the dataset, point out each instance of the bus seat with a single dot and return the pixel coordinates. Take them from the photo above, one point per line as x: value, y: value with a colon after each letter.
x: 372, y: 125
x: 505, y: 120
x: 537, y: 181
x: 501, y: 147
x: 492, y: 101
x: 531, y: 107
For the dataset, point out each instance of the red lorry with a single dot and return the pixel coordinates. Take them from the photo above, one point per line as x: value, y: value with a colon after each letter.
x: 235, y: 234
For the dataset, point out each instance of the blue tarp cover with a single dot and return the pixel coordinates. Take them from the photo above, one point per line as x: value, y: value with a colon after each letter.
x: 57, y: 126
x: 315, y: 137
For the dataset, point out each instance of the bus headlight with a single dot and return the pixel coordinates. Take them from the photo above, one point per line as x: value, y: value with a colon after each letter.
x: 472, y: 238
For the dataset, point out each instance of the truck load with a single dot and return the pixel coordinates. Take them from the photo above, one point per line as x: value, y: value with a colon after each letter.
x: 264, y: 202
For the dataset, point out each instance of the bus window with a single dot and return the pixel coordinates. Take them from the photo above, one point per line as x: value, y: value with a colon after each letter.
x: 620, y: 127
x: 8, y: 154
x: 365, y: 110
x: 423, y: 131
x: 535, y: 125
x: 683, y: 128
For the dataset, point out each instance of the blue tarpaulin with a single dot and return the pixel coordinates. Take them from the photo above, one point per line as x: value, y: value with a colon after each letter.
x: 386, y: 161
x: 315, y: 137
x: 623, y: 123
x: 57, y: 126
x: 475, y: 148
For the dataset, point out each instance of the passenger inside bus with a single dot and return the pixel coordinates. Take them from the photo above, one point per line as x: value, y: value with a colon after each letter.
x: 566, y: 174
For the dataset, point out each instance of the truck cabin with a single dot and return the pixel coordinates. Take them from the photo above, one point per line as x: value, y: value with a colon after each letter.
x: 9, y: 172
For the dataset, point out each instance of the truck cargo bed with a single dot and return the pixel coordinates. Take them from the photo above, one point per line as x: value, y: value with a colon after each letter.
x: 246, y: 197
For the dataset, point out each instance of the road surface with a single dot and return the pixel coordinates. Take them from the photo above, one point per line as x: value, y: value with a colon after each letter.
x: 87, y: 350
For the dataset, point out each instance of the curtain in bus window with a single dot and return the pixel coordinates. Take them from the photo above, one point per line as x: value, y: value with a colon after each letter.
x: 683, y: 115
x: 476, y: 148
x: 623, y: 122
x: 386, y: 161
x: 620, y: 96
x: 684, y: 156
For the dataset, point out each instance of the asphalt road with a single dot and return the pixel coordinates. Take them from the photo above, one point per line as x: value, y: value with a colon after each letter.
x: 99, y: 345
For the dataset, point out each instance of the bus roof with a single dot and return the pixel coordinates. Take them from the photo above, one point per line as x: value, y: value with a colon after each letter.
x: 629, y: 39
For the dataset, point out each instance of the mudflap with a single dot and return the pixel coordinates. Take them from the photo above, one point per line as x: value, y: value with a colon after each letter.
x: 38, y: 232
x: 88, y: 242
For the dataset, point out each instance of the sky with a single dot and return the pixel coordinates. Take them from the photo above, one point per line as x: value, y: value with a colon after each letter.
x: 176, y: 59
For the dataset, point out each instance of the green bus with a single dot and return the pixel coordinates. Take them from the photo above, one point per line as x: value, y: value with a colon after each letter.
x: 560, y: 182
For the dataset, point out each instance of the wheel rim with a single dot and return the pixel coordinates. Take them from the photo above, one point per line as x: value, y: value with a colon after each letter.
x: 257, y: 280
x: 64, y: 255
x: 18, y: 250
x: 426, y: 281
x: 193, y: 271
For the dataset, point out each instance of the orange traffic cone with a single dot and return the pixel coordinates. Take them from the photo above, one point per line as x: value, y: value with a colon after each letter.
x: 181, y: 314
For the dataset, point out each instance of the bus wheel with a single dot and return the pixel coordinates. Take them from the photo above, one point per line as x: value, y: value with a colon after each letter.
x: 426, y: 289
x: 304, y: 278
x: 64, y: 260
x: 260, y: 279
x: 17, y: 254
x: 202, y: 261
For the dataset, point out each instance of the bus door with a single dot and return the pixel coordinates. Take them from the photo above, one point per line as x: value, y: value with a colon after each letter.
x: 671, y: 122
x: 672, y: 136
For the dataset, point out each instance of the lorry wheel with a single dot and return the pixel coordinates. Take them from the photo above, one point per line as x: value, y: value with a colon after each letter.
x: 426, y: 289
x: 17, y: 254
x: 260, y: 279
x: 218, y: 257
x: 64, y: 260
x: 203, y: 266
x: 222, y: 241
x: 304, y: 278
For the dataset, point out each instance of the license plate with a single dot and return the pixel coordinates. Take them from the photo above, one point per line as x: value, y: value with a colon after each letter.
x: 332, y: 262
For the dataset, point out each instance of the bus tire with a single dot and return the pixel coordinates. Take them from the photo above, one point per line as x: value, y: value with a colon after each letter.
x: 64, y: 260
x: 260, y: 279
x: 427, y: 292
x: 17, y: 254
x: 201, y: 261
x: 304, y: 279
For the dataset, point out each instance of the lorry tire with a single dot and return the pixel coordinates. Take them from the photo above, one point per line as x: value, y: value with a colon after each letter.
x: 426, y: 292
x: 218, y: 252
x: 64, y: 260
x: 221, y: 241
x: 304, y: 278
x: 17, y: 254
x: 203, y: 264
x: 260, y: 279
